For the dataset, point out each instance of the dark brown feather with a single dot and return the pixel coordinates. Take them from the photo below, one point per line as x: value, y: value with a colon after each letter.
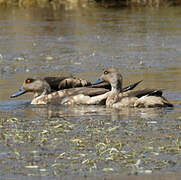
x: 102, y: 85
x: 55, y: 81
x: 142, y: 92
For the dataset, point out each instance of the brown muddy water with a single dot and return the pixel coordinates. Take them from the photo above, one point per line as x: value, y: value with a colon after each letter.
x: 90, y: 141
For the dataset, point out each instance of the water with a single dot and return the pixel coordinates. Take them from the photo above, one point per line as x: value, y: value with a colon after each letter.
x: 89, y: 140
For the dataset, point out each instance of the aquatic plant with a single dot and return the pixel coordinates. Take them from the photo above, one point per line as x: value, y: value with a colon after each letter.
x: 87, y: 146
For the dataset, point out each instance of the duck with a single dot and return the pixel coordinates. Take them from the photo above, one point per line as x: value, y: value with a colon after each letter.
x: 49, y: 84
x: 59, y: 90
x: 117, y: 98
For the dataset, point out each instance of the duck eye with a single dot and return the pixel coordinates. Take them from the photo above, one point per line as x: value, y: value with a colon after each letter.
x: 106, y: 72
x: 29, y: 81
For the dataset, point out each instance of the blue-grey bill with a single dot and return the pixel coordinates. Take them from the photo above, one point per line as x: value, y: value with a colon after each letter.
x: 18, y: 93
x: 97, y: 81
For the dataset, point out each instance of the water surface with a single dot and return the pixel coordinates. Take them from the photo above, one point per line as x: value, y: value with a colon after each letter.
x: 50, y: 141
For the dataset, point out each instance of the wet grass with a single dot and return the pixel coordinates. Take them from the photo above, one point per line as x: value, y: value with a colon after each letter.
x: 88, y: 145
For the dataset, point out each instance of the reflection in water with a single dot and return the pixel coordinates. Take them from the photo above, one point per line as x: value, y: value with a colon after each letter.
x: 23, y: 107
x: 51, y: 139
x: 10, y: 105
x: 52, y: 111
x: 61, y: 111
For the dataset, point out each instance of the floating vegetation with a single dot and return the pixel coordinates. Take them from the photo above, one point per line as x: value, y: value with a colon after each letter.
x: 84, y: 146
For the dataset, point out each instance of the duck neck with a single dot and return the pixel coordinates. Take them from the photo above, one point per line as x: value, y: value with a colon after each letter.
x: 46, y: 90
x: 117, y: 87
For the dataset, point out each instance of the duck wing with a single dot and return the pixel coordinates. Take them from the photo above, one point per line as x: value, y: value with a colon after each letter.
x: 108, y: 86
x: 55, y: 81
x: 89, y: 91
x: 73, y: 82
x: 142, y: 92
x: 102, y: 85
x: 130, y: 87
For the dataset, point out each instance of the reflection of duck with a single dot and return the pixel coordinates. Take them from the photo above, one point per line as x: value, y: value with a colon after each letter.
x: 53, y: 111
x: 43, y: 89
x: 135, y: 98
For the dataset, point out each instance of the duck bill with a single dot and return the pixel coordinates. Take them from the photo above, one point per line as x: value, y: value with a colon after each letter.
x: 18, y: 93
x: 99, y: 81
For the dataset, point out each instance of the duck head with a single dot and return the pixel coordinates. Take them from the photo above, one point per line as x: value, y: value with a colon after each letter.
x: 113, y: 77
x: 36, y: 86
